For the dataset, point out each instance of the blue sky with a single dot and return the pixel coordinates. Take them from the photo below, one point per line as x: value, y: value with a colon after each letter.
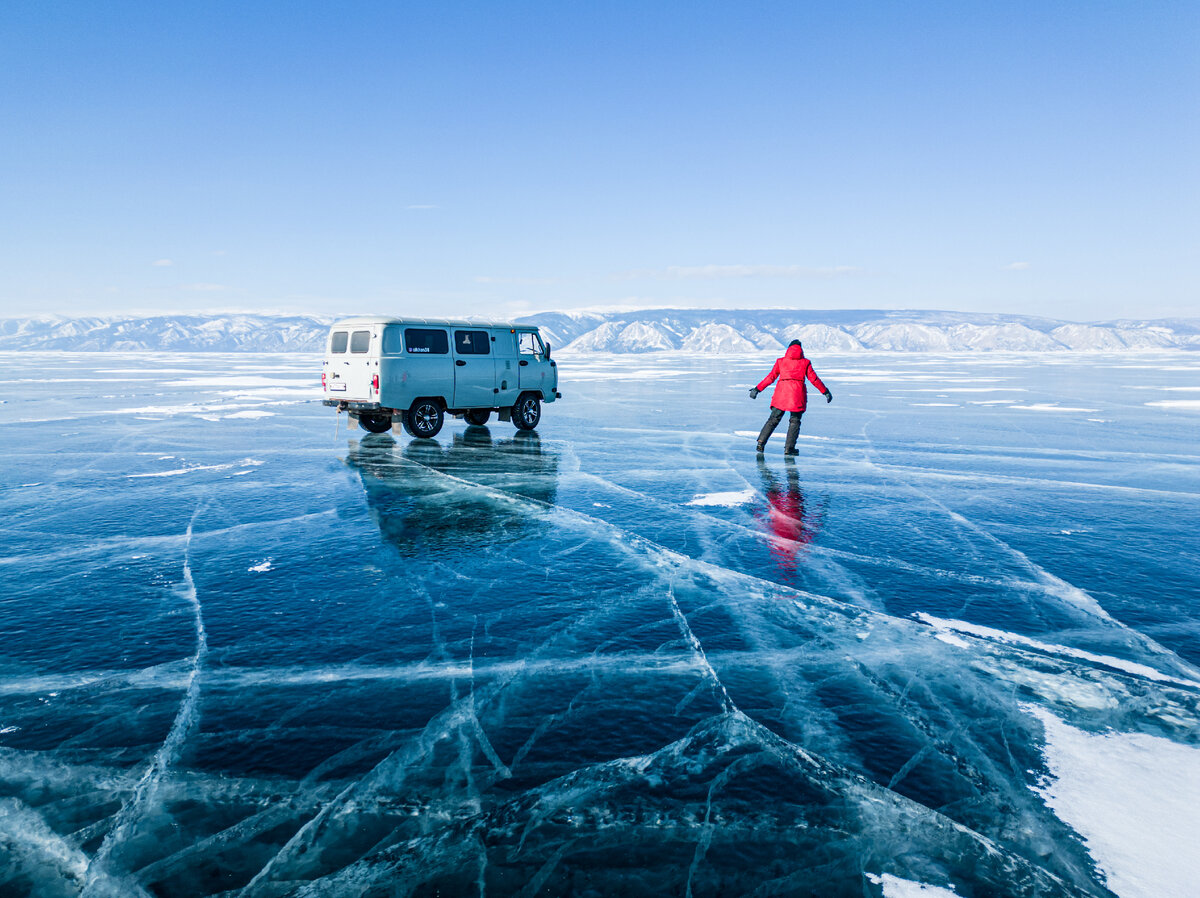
x: 501, y: 158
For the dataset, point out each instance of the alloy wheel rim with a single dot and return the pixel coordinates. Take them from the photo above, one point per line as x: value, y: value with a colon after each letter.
x: 424, y: 419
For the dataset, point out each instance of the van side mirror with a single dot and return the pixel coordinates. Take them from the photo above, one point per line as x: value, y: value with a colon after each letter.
x: 547, y: 350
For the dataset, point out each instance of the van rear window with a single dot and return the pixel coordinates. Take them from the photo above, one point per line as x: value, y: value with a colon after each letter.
x: 472, y: 343
x: 339, y: 341
x: 426, y: 341
x: 360, y: 341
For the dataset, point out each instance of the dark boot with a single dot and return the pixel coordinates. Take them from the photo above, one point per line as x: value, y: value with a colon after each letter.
x: 769, y: 428
x: 789, y: 445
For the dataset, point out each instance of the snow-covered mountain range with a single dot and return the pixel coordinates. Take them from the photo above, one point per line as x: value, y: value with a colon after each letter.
x: 711, y: 331
x: 705, y: 331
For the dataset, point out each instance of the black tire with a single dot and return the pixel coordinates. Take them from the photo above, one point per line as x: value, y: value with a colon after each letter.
x: 527, y: 412
x: 424, y: 419
x: 375, y: 423
x: 478, y: 416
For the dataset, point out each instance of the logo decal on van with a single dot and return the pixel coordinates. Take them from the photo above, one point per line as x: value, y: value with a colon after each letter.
x: 418, y: 349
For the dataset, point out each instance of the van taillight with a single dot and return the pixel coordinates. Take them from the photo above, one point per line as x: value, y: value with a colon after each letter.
x: 375, y: 383
x: 322, y: 380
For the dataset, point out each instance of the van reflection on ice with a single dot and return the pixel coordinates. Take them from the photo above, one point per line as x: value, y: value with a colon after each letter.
x: 436, y: 498
x: 791, y: 523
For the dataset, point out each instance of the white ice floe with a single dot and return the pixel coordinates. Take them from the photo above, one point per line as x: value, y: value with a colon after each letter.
x: 741, y: 497
x: 802, y: 436
x: 1049, y: 407
x: 260, y: 568
x: 1133, y: 797
x: 1175, y: 403
x: 236, y: 380
x: 251, y: 413
x: 957, y: 390
x: 981, y: 632
x: 895, y: 887
x: 245, y: 462
x: 934, y: 404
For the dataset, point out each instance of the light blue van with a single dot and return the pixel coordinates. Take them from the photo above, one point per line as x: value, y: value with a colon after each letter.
x: 412, y: 372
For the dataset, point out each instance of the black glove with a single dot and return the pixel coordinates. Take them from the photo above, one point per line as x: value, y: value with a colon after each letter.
x: 754, y: 392
x: 828, y: 396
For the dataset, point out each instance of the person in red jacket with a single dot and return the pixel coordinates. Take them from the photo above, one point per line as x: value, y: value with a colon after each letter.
x: 791, y: 395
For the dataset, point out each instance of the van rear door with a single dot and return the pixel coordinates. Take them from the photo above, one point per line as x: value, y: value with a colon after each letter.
x: 353, y: 350
x: 474, y: 368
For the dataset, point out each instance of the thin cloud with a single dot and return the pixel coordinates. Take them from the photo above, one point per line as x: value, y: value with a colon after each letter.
x: 162, y: 263
x: 515, y: 281
x: 721, y: 272
x: 421, y: 206
x: 205, y: 288
x: 1016, y: 266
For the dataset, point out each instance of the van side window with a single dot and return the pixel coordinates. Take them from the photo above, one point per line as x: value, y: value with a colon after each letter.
x: 339, y: 341
x: 393, y: 341
x: 426, y: 341
x: 529, y: 344
x: 360, y: 341
x: 472, y: 343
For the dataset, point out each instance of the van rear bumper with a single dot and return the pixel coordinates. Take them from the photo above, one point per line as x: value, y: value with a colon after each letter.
x: 352, y: 405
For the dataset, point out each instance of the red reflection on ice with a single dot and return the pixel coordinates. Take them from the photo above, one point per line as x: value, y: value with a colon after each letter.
x: 791, y: 523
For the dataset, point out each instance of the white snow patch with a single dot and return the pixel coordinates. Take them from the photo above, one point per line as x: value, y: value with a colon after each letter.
x: 957, y: 390
x: 260, y: 568
x: 1175, y: 403
x: 1134, y: 798
x: 895, y: 887
x: 194, y: 468
x: 251, y: 413
x: 724, y: 499
x: 981, y: 632
x: 236, y: 380
x: 933, y: 405
x: 1048, y: 407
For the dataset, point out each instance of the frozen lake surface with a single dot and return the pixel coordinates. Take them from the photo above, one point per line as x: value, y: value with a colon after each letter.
x: 956, y: 643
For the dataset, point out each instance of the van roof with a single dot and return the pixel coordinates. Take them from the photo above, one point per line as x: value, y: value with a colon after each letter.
x: 436, y: 322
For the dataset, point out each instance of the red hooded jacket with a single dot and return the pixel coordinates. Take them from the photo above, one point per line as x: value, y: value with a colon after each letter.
x: 791, y: 393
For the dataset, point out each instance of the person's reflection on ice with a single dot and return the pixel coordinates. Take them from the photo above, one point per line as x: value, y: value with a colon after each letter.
x: 791, y: 524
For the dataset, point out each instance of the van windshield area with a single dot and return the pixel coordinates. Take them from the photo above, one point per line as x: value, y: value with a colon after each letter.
x: 472, y: 343
x: 360, y: 341
x: 530, y: 344
x: 338, y: 342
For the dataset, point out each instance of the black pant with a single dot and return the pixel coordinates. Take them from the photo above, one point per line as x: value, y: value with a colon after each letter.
x: 773, y: 421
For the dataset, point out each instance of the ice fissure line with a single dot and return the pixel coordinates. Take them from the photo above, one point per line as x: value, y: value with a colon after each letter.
x: 99, y: 871
x: 1050, y: 583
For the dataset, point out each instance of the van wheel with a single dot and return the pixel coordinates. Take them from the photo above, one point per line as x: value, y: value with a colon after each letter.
x: 424, y: 419
x: 527, y: 412
x: 478, y: 416
x: 375, y: 423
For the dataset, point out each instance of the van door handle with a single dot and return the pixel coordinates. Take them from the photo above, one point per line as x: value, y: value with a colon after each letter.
x: 524, y: 363
x: 459, y: 362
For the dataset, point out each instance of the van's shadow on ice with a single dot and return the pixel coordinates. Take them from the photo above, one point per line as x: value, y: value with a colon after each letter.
x: 465, y: 494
